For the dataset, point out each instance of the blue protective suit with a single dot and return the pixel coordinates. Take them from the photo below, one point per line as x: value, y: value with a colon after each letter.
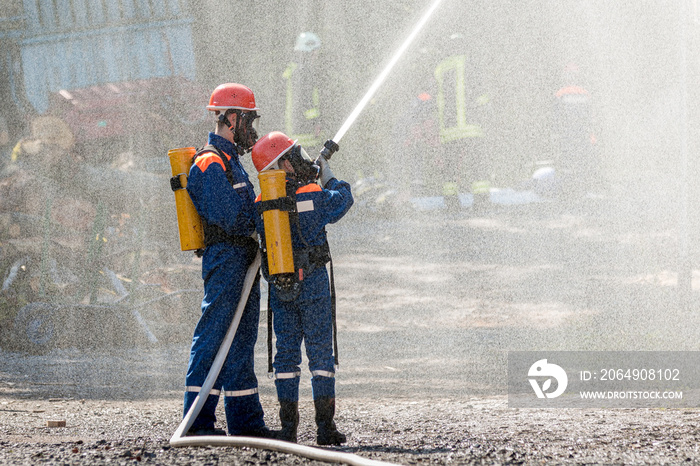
x: 308, y: 317
x: 224, y: 265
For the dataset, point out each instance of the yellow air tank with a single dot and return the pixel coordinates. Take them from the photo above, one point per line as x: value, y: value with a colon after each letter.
x: 188, y: 221
x: 278, y: 238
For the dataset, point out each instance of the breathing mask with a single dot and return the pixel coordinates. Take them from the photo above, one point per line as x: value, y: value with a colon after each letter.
x: 306, y: 171
x: 245, y: 133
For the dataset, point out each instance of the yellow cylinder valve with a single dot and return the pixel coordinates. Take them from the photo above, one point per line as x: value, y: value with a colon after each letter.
x: 188, y: 221
x: 278, y: 237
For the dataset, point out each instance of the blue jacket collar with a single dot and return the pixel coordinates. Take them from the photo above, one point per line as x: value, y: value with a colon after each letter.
x: 223, y: 144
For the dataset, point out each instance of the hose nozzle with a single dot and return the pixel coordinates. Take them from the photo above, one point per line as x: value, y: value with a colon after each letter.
x: 330, y: 147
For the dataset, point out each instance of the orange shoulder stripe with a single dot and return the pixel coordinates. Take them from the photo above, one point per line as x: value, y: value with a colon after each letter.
x: 257, y: 199
x: 203, y: 161
x: 309, y: 188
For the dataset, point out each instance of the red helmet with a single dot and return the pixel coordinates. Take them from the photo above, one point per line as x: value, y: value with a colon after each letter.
x: 270, y: 148
x: 232, y: 96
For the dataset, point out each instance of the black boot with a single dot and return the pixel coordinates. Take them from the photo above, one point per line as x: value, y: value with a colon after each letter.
x: 262, y: 432
x: 204, y: 431
x: 327, y: 433
x: 289, y: 417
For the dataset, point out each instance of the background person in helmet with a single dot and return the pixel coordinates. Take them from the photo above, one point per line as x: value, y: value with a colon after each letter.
x: 416, y: 129
x: 223, y: 196
x: 578, y: 166
x: 305, y: 313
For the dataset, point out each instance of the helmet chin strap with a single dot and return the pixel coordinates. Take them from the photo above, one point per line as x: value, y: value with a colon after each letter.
x: 223, y: 119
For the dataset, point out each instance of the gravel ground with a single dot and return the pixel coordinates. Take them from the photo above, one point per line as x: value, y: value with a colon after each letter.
x: 477, y: 430
x: 424, y: 335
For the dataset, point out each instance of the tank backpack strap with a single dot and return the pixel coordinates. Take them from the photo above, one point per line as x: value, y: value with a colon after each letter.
x: 333, y: 315
x: 269, y: 333
x: 229, y: 176
x: 224, y: 159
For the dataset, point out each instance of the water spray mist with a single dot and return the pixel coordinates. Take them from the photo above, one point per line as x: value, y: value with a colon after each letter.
x: 331, y: 146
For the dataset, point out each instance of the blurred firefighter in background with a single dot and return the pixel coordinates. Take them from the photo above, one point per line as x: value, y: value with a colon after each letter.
x: 304, y: 309
x: 417, y: 130
x: 223, y: 196
x: 303, y: 117
x: 578, y: 165
x: 462, y: 106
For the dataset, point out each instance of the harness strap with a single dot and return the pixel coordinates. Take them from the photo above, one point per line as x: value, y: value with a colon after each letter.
x: 215, y: 234
x: 224, y: 159
x: 176, y: 182
x: 319, y: 255
x: 282, y: 203
x: 333, y: 314
x: 269, y: 332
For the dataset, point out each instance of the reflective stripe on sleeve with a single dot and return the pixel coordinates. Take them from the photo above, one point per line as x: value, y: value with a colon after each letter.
x: 305, y: 206
x: 287, y: 375
x: 323, y: 374
x: 239, y: 185
x: 251, y: 391
x: 197, y: 389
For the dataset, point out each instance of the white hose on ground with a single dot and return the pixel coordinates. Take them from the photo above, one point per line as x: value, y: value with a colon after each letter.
x: 319, y: 454
x: 177, y: 440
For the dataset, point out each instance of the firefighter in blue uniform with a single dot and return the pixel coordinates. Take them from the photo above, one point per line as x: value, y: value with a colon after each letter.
x: 305, y: 312
x: 224, y: 198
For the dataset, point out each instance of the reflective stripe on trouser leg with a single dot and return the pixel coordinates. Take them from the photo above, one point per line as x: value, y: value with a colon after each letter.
x: 244, y: 413
x: 323, y: 384
x: 287, y: 384
x: 235, y: 393
x: 450, y: 188
x: 206, y: 419
x: 212, y: 392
